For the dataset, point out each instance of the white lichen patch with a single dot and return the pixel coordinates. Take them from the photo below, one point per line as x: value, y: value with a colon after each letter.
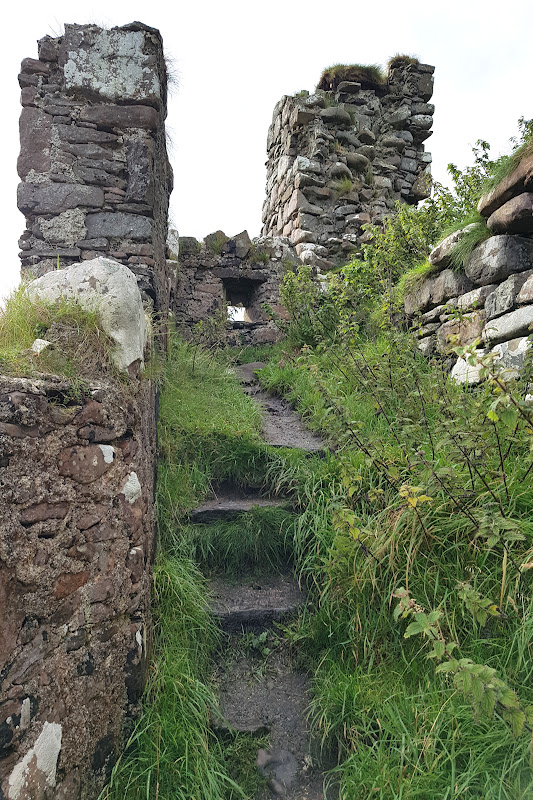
x: 108, y: 452
x: 42, y: 757
x: 132, y: 488
x: 114, y: 66
x: 66, y: 229
x: 25, y: 713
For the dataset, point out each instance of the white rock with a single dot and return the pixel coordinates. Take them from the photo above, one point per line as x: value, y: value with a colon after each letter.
x: 39, y: 345
x: 463, y: 372
x: 109, y: 287
x: 42, y: 757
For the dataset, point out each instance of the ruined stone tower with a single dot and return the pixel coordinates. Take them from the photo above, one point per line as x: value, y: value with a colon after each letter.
x: 342, y: 157
x: 93, y: 163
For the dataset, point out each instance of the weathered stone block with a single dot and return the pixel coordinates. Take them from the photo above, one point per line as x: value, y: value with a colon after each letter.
x: 435, y: 290
x: 54, y: 198
x: 514, y: 216
x: 336, y: 115
x: 460, y: 332
x: 110, y: 288
x: 498, y: 257
x: 440, y: 255
x: 35, y: 128
x: 476, y: 298
x: 110, y: 116
x: 509, y: 326
x: 119, y: 225
x: 503, y: 297
x: 518, y: 181
x: 113, y: 64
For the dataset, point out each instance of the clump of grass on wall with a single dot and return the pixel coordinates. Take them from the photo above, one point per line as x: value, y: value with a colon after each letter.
x: 401, y: 60
x: 370, y: 76
x: 79, y: 346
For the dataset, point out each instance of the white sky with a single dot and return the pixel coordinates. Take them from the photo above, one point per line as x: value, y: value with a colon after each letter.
x: 235, y: 59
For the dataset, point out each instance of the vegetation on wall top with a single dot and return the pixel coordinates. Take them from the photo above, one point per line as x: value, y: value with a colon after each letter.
x: 370, y: 76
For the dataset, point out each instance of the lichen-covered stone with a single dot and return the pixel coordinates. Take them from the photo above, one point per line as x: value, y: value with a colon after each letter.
x: 498, y: 257
x: 510, y: 326
x: 504, y: 296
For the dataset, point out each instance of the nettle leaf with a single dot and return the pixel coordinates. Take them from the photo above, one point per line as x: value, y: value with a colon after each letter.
x: 477, y: 689
x: 488, y: 702
x: 448, y: 666
x: 492, y: 415
x: 516, y: 719
x: 508, y: 698
x: 439, y: 649
x: 412, y: 629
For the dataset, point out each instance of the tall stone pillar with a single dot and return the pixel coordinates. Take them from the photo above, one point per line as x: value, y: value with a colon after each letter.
x: 93, y: 162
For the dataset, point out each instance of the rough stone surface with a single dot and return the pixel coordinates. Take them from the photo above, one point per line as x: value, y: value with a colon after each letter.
x: 498, y: 257
x: 435, y: 290
x: 324, y: 146
x: 504, y: 297
x: 510, y: 326
x: 93, y: 140
x: 110, y: 288
x: 440, y: 255
x: 74, y: 580
x: 460, y: 332
x: 235, y: 271
x: 519, y: 180
x: 515, y: 216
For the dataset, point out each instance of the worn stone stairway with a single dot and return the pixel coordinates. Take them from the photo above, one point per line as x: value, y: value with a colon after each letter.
x: 261, y: 690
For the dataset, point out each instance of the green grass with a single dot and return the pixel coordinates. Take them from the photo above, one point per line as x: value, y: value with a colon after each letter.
x: 400, y: 729
x: 259, y: 539
x: 370, y: 76
x: 172, y: 754
x: 342, y: 186
x: 80, y: 347
x: 413, y: 278
x: 507, y: 164
x: 401, y: 60
x: 469, y: 240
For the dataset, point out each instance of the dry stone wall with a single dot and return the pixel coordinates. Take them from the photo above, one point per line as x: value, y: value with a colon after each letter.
x: 340, y: 159
x: 93, y: 163
x: 490, y: 301
x: 234, y: 271
x: 76, y: 540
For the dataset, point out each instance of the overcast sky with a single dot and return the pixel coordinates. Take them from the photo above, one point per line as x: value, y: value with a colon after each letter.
x: 235, y: 59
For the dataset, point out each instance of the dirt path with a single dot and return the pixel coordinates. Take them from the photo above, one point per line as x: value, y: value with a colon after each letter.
x: 261, y: 688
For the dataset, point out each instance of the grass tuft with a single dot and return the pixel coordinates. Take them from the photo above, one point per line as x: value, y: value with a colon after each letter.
x: 370, y: 76
x: 401, y: 60
x: 80, y: 348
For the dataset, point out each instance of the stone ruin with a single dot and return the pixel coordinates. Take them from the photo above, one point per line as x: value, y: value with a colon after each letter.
x: 339, y: 159
x: 234, y: 272
x: 77, y: 470
x: 490, y: 300
x: 93, y: 163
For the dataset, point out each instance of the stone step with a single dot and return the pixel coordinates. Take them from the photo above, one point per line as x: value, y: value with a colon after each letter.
x: 256, y: 604
x: 229, y: 504
x: 281, y: 426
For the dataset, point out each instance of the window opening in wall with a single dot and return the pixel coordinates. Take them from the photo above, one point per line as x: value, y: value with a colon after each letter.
x: 240, y: 294
x: 236, y: 313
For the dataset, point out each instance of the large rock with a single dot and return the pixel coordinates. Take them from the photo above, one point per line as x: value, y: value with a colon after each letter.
x: 53, y: 198
x: 515, y: 216
x: 503, y: 298
x: 460, y: 332
x: 121, y: 116
x: 520, y: 179
x: 336, y: 115
x: 109, y: 287
x: 511, y: 356
x: 476, y: 298
x: 498, y: 257
x: 465, y: 373
x: 35, y: 127
x: 440, y: 255
x: 510, y: 326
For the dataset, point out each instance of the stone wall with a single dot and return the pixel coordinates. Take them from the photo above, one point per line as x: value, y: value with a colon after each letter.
x: 236, y: 271
x: 76, y: 540
x: 93, y: 162
x: 490, y: 301
x: 339, y: 159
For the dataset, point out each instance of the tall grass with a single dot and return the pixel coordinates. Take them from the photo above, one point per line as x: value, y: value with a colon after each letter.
x: 404, y: 432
